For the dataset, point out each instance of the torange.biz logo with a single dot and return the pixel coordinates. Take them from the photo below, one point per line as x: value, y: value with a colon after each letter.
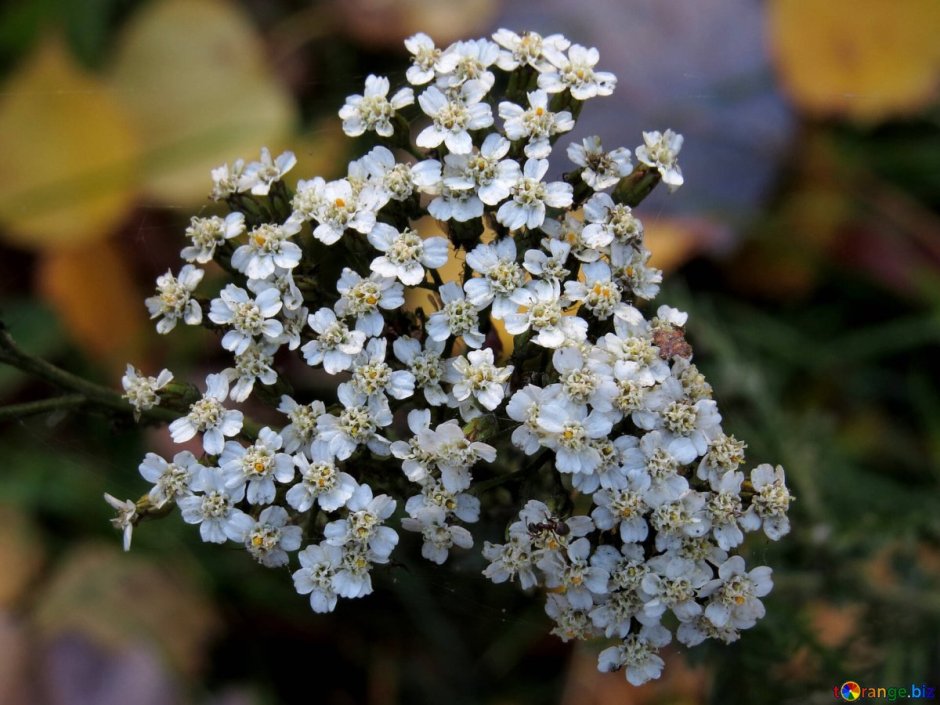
x: 852, y: 691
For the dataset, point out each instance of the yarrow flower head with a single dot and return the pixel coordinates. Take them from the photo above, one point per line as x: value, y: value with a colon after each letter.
x: 442, y: 320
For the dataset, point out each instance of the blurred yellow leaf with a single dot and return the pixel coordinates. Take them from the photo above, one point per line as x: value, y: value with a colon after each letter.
x: 96, y: 299
x: 21, y: 555
x: 388, y: 23
x: 119, y: 599
x: 674, y: 241
x: 193, y: 75
x: 66, y: 154
x: 864, y: 59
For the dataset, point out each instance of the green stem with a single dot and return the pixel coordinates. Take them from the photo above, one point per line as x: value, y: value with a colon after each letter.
x: 92, y: 394
x: 11, y: 412
x: 636, y: 186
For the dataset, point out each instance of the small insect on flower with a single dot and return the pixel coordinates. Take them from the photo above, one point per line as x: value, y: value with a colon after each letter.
x: 552, y: 523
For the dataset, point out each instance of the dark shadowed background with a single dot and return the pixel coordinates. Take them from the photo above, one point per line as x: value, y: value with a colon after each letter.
x: 805, y: 245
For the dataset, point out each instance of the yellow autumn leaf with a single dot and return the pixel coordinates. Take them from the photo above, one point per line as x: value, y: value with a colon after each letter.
x: 193, y: 75
x: 388, y: 23
x: 67, y: 154
x: 21, y: 554
x: 863, y: 59
x: 96, y: 299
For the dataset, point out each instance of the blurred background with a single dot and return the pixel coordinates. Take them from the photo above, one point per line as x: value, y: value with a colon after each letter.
x: 805, y: 245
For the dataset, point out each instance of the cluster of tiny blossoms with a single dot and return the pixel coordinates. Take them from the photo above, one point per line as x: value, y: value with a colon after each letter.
x: 642, y: 503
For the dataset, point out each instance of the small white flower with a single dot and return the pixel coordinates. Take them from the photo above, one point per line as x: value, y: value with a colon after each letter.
x: 173, y: 300
x: 226, y: 179
x: 724, y: 508
x: 674, y: 521
x: 608, y: 222
x: 125, y: 519
x: 571, y: 571
x: 550, y: 265
x: 209, y: 417
x: 208, y: 233
x: 624, y: 508
x: 600, y: 169
x: 637, y: 655
x: 570, y: 428
x: 660, y: 151
x: 524, y: 406
x: 307, y: 199
x: 600, y: 294
x: 454, y: 454
x: 528, y: 49
x: 484, y: 174
x: 467, y: 61
x: 249, y: 319
x: 568, y: 229
x: 364, y: 524
x: 258, y: 465
x: 318, y: 567
x: 417, y: 453
x: 268, y: 248
x: 654, y: 459
x: 725, y: 454
x: 456, y: 204
x: 475, y: 375
x: 398, y: 181
x: 283, y: 281
x: 372, y: 376
x: 735, y: 594
x: 770, y: 502
x: 373, y: 111
x: 321, y: 482
x: 259, y: 176
x: 530, y: 196
x: 357, y: 424
x: 570, y: 622
x: 406, y: 254
x: 425, y: 365
x: 140, y: 391
x: 631, y: 270
x: 502, y: 277
x: 672, y: 584
x: 537, y: 124
x: 583, y: 379
x: 459, y: 505
x: 339, y: 208
x: 452, y: 117
x: 170, y: 480
x: 251, y: 365
x: 362, y: 298
x: 575, y: 72
x: 511, y: 560
x: 544, y: 315
x: 302, y: 429
x: 424, y: 57
x: 214, y: 510
x: 458, y: 317
x: 335, y: 345
x: 690, y: 426
x: 439, y: 536
x: 353, y: 579
x: 272, y: 537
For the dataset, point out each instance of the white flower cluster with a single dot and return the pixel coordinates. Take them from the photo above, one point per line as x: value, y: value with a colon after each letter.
x: 621, y: 424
